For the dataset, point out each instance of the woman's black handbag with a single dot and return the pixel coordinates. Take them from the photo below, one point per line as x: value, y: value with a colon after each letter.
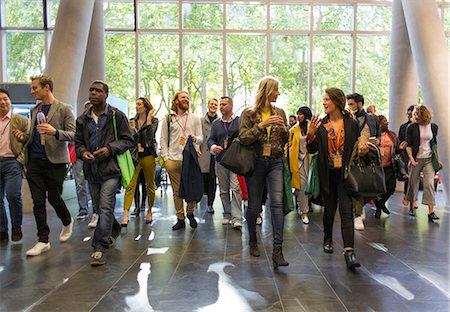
x: 364, y: 176
x: 239, y: 158
x: 401, y: 173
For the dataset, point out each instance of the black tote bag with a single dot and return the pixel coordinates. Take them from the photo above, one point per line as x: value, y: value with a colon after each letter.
x: 239, y: 158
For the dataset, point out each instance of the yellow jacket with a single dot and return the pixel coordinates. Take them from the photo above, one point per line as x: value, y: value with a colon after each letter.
x: 294, y: 145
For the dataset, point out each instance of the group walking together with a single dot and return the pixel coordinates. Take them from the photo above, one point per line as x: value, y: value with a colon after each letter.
x: 313, y: 152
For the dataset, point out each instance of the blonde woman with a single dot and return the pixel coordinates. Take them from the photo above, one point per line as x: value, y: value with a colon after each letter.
x: 265, y: 126
x: 146, y: 125
x: 421, y: 136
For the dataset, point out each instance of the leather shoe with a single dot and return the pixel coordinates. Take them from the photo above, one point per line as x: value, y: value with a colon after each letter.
x: 254, y: 250
x: 179, y: 225
x: 350, y: 259
x: 328, y: 245
x: 16, y: 234
x: 385, y: 210
x: 192, y: 221
x: 432, y: 216
x: 412, y: 212
x: 4, y: 236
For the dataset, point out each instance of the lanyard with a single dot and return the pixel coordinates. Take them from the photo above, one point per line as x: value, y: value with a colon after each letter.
x: 227, y: 125
x: 185, y: 122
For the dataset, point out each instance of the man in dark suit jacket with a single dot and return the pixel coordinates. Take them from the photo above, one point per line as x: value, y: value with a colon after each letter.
x: 47, y: 157
x: 96, y: 144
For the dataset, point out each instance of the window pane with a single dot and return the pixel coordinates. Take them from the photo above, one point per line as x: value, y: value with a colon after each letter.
x: 289, y: 63
x: 447, y: 19
x: 24, y: 13
x: 202, y: 16
x: 374, y: 17
x: 333, y: 17
x: 289, y: 16
x: 246, y: 16
x: 24, y: 55
x: 160, y: 69
x: 331, y: 66
x: 158, y: 15
x: 120, y: 65
x: 53, y: 6
x: 202, y: 63
x: 119, y: 14
x: 245, y: 66
x: 372, y: 70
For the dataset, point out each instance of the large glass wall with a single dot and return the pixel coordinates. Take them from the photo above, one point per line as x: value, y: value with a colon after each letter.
x: 222, y: 47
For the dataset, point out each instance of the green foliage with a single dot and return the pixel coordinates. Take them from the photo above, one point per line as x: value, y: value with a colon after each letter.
x: 246, y: 16
x: 24, y: 13
x: 119, y: 14
x: 375, y: 18
x: 202, y: 16
x: 333, y: 17
x: 24, y: 55
x: 53, y: 6
x: 447, y: 19
x: 158, y: 15
x: 292, y: 16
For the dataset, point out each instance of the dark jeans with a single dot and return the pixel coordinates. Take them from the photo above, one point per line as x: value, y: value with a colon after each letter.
x: 11, y: 185
x: 338, y: 194
x: 45, y: 177
x: 104, y: 200
x: 391, y: 180
x: 210, y: 183
x: 268, y: 172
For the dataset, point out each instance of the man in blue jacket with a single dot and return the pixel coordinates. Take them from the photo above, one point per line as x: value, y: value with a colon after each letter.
x: 96, y: 145
x: 222, y: 131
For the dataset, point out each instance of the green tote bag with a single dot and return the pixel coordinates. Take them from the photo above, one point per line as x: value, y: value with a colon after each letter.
x: 124, y: 160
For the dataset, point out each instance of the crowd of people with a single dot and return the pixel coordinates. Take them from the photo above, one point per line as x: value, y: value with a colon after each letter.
x: 191, y: 151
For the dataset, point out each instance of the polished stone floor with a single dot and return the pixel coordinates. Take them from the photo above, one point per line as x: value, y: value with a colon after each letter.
x: 405, y: 266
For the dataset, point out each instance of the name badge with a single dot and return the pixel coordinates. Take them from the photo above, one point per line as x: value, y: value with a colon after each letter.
x: 267, y: 149
x: 225, y: 144
x: 182, y: 140
x: 140, y: 148
x: 337, y: 161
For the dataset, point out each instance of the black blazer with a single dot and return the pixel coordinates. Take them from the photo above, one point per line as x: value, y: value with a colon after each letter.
x: 320, y: 144
x: 413, y: 137
x: 191, y: 182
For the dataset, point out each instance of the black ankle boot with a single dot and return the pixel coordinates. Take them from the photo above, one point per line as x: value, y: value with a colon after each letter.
x: 254, y: 250
x: 432, y: 216
x: 385, y: 210
x: 179, y: 225
x: 328, y: 245
x: 412, y: 212
x: 278, y: 258
x: 350, y: 259
x: 192, y: 221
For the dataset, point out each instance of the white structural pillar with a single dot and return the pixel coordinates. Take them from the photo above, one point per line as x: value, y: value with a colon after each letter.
x: 403, y: 85
x: 431, y: 57
x: 68, y: 48
x: 94, y: 62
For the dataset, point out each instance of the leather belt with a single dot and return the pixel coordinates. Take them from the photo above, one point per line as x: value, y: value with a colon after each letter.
x: 7, y: 158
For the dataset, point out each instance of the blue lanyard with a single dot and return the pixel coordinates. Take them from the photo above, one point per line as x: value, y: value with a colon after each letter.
x: 227, y: 128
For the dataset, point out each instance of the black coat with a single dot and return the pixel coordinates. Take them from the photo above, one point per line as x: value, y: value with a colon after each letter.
x: 107, y: 168
x: 320, y: 144
x: 413, y: 137
x: 191, y: 184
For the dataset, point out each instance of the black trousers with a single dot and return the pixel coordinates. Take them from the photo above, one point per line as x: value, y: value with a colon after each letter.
x: 338, y: 196
x: 210, y: 183
x: 45, y: 178
x: 391, y: 180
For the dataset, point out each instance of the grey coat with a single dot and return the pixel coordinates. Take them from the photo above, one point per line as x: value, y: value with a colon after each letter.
x: 60, y: 116
x: 205, y: 157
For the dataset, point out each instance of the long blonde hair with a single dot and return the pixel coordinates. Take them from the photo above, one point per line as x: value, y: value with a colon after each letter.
x: 265, y: 87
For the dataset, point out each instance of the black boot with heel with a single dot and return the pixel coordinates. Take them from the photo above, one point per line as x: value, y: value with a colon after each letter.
x: 278, y: 258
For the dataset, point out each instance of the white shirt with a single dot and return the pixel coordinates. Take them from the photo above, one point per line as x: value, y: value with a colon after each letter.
x: 426, y: 135
x: 181, y: 126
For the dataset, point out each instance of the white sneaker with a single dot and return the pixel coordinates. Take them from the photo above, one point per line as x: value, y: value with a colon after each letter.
x: 225, y: 221
x: 305, y: 218
x: 94, y: 221
x: 359, y: 224
x: 237, y: 225
x: 363, y: 215
x: 259, y: 219
x: 66, y: 232
x: 38, y: 249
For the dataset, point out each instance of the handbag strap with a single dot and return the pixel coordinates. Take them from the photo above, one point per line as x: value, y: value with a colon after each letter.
x: 115, y: 125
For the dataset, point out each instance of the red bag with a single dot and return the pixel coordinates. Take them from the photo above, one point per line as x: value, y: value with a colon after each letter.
x: 243, y: 186
x: 72, y: 154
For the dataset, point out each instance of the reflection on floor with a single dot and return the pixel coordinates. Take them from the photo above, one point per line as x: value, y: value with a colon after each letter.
x: 405, y: 266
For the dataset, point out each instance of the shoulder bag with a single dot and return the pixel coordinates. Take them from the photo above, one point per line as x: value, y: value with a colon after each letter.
x: 239, y: 158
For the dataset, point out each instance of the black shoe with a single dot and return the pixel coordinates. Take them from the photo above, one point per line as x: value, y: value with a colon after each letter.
x: 350, y: 259
x: 4, y: 236
x: 412, y: 212
x: 328, y: 245
x: 377, y: 213
x: 432, y: 216
x: 82, y: 215
x: 210, y: 209
x: 16, y: 234
x: 385, y: 210
x: 254, y: 250
x: 179, y: 225
x: 278, y: 258
x: 192, y: 221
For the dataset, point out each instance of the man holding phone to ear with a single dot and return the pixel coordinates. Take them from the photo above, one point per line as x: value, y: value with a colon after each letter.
x: 95, y: 143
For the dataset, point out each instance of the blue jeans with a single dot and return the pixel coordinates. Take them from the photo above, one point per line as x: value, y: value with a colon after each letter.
x: 81, y: 186
x: 268, y: 172
x: 104, y: 200
x: 11, y: 185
